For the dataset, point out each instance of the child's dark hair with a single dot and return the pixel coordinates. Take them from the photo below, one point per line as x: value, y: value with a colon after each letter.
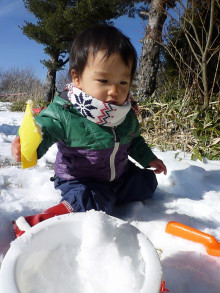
x: 99, y: 38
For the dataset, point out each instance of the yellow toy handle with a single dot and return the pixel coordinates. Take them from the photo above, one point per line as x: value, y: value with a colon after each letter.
x: 30, y: 138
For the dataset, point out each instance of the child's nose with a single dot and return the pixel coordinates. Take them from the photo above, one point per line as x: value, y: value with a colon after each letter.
x: 113, y: 91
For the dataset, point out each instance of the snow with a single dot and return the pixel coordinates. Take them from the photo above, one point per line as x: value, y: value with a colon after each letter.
x: 90, y: 245
x: 189, y: 193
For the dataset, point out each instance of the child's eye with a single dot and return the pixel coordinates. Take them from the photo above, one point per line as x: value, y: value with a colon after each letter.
x: 103, y: 80
x: 123, y: 82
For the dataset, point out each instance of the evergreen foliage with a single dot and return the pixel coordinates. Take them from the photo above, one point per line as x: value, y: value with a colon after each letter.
x: 59, y: 21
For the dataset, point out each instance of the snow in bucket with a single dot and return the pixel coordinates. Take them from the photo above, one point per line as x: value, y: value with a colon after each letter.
x: 88, y: 252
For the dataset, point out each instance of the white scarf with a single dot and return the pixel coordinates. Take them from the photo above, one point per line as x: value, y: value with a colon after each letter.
x: 99, y: 112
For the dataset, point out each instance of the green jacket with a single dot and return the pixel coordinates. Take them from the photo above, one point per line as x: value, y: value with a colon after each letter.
x: 86, y: 149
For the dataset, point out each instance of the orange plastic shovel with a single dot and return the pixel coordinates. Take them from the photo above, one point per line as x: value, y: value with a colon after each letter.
x: 189, y: 233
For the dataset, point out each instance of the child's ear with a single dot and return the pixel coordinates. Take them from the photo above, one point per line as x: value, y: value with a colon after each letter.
x: 75, y: 78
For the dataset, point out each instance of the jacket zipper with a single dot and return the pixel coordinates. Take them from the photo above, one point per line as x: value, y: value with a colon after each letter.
x: 113, y: 154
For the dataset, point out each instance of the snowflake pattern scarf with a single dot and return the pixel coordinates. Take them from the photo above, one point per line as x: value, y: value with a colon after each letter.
x: 99, y: 112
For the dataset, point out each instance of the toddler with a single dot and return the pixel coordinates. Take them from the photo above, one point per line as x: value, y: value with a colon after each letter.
x: 94, y: 124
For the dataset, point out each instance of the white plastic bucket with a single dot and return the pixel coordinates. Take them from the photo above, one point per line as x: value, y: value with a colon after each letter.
x: 81, y: 253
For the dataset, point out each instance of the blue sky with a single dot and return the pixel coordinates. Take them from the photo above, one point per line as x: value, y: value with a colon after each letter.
x: 18, y: 51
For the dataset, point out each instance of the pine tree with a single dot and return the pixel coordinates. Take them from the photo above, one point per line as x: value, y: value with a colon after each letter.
x: 59, y: 21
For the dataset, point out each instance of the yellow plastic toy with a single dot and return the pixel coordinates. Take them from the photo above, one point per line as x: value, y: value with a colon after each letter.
x: 30, y: 138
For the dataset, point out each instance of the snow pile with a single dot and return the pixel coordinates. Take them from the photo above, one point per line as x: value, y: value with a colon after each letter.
x: 99, y: 253
x: 190, y: 194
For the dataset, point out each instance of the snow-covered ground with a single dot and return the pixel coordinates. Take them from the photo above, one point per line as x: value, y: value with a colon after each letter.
x: 190, y: 194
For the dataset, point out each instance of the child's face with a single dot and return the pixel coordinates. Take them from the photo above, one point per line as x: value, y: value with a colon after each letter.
x: 107, y: 80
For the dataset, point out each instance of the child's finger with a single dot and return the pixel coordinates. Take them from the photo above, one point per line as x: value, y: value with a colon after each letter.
x: 16, y: 149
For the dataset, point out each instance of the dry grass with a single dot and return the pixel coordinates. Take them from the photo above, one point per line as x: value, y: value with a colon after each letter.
x: 179, y: 126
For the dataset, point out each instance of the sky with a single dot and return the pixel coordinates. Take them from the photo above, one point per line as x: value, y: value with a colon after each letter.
x: 96, y: 253
x: 18, y: 51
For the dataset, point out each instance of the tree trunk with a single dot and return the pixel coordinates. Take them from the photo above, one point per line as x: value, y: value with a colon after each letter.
x: 149, y: 61
x: 49, y: 86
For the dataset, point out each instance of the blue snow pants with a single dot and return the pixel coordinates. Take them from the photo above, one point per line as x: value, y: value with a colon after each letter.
x: 85, y: 194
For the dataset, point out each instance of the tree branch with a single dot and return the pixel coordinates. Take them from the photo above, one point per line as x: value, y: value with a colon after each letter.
x: 211, y: 22
x: 144, y: 13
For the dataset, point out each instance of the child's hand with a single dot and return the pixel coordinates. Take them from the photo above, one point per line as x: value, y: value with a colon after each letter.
x: 16, y: 149
x: 159, y: 166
